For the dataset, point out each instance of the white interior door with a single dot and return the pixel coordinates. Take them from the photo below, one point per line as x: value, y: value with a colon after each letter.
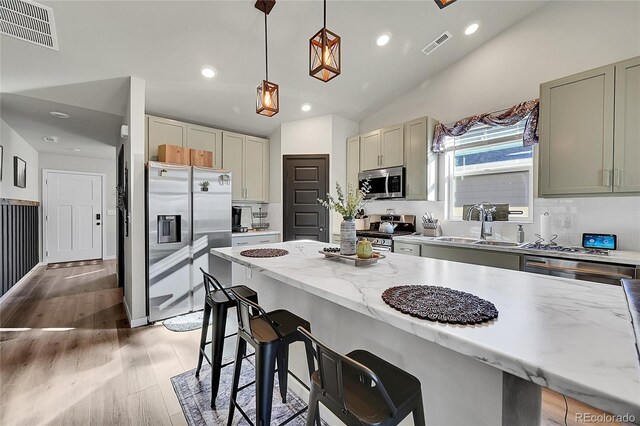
x: 73, y: 216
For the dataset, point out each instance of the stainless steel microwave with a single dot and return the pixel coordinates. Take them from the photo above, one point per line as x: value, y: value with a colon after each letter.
x: 385, y: 183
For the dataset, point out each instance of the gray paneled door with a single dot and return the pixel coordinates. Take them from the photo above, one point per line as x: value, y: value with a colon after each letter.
x: 306, y: 178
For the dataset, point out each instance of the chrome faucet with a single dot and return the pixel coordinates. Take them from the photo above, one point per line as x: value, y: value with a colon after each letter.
x: 483, y: 213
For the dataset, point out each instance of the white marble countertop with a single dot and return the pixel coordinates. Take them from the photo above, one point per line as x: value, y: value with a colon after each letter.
x: 568, y: 335
x: 251, y: 233
x: 615, y: 256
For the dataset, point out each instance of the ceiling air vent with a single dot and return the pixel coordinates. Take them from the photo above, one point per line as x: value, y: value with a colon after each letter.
x: 437, y: 42
x: 28, y: 21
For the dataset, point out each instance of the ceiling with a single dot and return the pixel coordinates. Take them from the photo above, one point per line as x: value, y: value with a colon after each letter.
x: 167, y: 42
x: 86, y: 132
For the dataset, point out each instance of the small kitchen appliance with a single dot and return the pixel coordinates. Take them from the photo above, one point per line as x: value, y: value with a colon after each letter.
x: 385, y: 183
x: 600, y: 241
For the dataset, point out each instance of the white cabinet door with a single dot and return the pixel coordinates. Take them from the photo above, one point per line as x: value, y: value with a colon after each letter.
x: 353, y: 161
x: 576, y: 145
x: 392, y: 146
x: 370, y: 151
x: 233, y: 160
x: 415, y: 151
x: 73, y: 203
x: 161, y: 131
x: 206, y: 139
x: 627, y: 127
x: 256, y: 163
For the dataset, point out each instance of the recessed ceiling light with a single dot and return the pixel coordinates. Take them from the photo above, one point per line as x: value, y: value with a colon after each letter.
x: 73, y: 149
x: 50, y: 139
x: 58, y: 114
x: 306, y: 107
x: 383, y: 39
x: 208, y: 72
x: 472, y: 28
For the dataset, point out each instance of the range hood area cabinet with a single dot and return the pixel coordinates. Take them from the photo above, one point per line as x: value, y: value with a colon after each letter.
x: 247, y: 158
x: 408, y: 145
x: 160, y: 131
x: 382, y: 148
x: 590, y: 132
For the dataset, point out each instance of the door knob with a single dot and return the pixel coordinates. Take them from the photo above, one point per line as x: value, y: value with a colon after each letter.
x: 321, y: 229
x: 97, y: 223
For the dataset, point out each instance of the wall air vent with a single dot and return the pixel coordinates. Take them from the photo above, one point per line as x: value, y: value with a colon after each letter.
x: 437, y: 42
x: 28, y: 21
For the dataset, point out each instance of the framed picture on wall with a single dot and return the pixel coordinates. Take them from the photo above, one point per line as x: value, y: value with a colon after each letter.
x: 19, y: 172
x: 1, y: 159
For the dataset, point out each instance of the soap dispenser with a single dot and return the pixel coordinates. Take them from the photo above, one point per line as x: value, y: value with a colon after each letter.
x: 520, y: 234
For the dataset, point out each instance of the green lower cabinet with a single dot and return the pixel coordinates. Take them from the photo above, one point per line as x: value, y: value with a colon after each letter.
x: 473, y: 256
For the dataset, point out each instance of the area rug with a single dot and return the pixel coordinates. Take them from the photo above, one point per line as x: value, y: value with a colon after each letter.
x: 195, y: 398
x: 186, y: 322
x: 74, y: 264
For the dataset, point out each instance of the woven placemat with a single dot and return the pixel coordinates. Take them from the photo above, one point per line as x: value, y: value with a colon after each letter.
x: 440, y: 304
x: 264, y: 252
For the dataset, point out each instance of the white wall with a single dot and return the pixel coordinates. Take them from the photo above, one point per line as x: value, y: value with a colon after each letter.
x: 326, y: 134
x: 14, y: 145
x: 560, y: 39
x: 135, y: 287
x: 91, y: 165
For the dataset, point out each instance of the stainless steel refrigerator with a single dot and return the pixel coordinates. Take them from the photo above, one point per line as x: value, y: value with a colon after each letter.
x: 184, y: 221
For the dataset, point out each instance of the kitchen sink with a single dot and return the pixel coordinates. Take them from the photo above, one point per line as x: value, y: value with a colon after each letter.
x: 466, y: 240
x: 496, y: 243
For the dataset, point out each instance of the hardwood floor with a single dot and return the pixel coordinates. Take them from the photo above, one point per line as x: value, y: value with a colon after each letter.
x: 68, y: 356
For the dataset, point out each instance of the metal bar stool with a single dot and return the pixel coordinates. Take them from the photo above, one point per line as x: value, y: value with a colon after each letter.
x: 270, y: 334
x: 361, y: 388
x: 217, y: 302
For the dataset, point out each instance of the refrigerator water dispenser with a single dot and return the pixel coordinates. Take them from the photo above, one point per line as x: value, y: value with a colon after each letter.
x: 168, y: 229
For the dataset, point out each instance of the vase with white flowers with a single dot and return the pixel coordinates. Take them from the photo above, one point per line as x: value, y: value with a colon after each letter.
x: 348, y: 205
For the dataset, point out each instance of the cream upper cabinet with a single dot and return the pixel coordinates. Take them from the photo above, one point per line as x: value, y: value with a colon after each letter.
x: 247, y: 158
x: 576, y: 133
x: 370, y: 151
x: 233, y: 160
x: 626, y: 177
x: 161, y: 131
x: 353, y: 161
x: 256, y: 163
x: 392, y: 146
x: 206, y: 139
x: 420, y: 163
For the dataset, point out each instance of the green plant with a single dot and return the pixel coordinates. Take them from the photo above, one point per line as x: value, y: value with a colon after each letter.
x: 348, y: 205
x: 204, y: 184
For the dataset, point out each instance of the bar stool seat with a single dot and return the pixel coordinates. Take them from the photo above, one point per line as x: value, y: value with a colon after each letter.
x: 361, y: 388
x: 270, y: 334
x: 217, y: 302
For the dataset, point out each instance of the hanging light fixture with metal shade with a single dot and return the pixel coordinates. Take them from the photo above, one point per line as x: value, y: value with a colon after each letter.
x: 324, y: 53
x: 268, y: 93
x: 443, y: 3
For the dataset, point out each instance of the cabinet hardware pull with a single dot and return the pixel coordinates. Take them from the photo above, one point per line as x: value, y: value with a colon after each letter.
x: 406, y: 249
x: 617, y: 177
x: 606, y: 178
x: 381, y: 160
x: 243, y: 243
x: 264, y: 241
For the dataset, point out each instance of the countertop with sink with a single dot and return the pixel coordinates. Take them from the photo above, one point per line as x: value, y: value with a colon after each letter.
x: 624, y: 257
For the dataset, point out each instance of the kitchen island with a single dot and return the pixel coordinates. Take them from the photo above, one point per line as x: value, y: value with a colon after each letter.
x: 571, y: 336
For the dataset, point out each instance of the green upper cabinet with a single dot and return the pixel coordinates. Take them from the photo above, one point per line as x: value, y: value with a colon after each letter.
x: 353, y: 161
x: 421, y: 164
x: 392, y: 146
x: 589, y: 132
x: 247, y: 158
x: 370, y: 151
x: 163, y: 131
x: 626, y: 136
x: 206, y: 139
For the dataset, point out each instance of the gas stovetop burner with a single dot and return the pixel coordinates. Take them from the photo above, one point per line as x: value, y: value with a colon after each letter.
x: 562, y: 249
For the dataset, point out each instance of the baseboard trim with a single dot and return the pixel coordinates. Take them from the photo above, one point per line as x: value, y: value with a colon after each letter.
x: 21, y: 281
x: 135, y: 322
x: 109, y: 257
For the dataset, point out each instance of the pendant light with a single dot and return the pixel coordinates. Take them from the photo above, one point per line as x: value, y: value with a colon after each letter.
x: 324, y: 53
x: 267, y: 100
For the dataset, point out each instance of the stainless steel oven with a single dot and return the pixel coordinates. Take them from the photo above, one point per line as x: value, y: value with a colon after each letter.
x: 578, y: 269
x: 385, y: 183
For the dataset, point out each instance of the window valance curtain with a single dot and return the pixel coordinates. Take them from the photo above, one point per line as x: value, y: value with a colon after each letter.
x: 505, y: 118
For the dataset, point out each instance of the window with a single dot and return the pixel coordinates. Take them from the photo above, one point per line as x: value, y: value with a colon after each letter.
x: 489, y: 164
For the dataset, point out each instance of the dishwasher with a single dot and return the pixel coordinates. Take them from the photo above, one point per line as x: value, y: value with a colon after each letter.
x: 598, y: 272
